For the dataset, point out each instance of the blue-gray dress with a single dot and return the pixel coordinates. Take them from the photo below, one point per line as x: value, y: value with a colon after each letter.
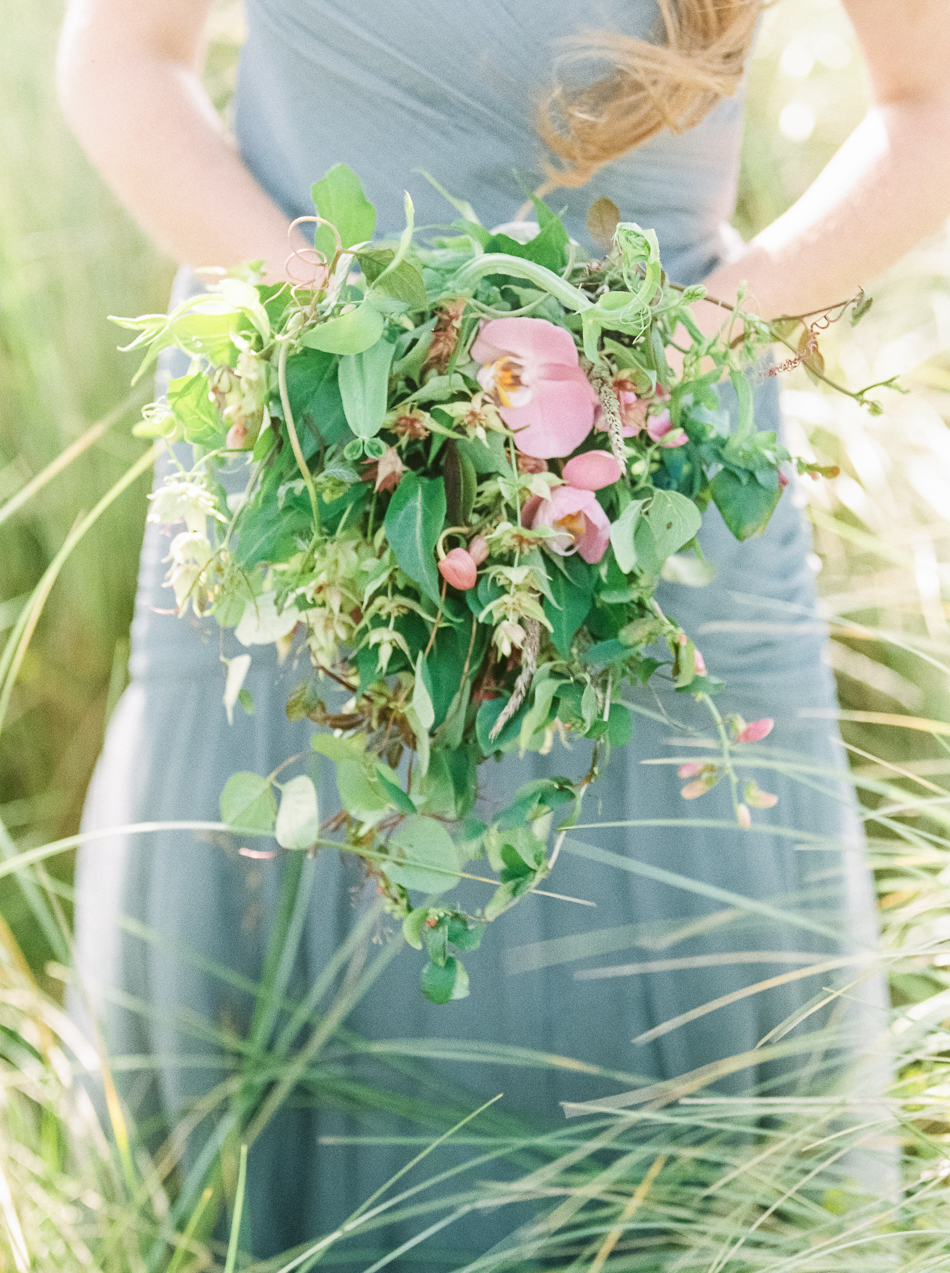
x: 172, y: 927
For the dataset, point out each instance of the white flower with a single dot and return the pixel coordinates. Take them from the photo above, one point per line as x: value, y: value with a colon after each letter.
x: 182, y: 500
x: 190, y: 554
x: 261, y: 624
x: 507, y: 635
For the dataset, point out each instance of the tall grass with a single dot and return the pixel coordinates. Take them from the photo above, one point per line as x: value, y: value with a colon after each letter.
x: 671, y: 1177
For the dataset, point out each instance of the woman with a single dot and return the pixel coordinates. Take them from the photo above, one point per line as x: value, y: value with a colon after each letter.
x: 455, y: 92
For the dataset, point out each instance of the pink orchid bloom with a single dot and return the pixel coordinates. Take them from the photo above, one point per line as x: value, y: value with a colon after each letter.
x: 458, y: 568
x: 581, y: 523
x: 592, y: 470
x: 756, y: 731
x: 530, y: 369
x: 662, y: 429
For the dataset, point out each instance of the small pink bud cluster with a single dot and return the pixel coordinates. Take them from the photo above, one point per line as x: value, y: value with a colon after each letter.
x: 704, y: 775
x: 460, y: 566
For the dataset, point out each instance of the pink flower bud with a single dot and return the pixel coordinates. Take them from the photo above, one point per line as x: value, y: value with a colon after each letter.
x: 662, y: 429
x: 531, y: 464
x: 756, y: 731
x: 689, y: 770
x: 478, y: 549
x: 459, y: 569
x: 782, y: 481
x: 693, y: 790
x: 237, y: 434
x: 699, y: 663
x: 592, y: 471
x: 743, y: 816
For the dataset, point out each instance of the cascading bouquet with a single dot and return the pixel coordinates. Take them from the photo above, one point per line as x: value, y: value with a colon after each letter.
x: 464, y: 469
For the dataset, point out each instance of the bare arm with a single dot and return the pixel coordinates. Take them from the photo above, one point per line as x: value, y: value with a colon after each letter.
x: 129, y: 79
x: 886, y: 188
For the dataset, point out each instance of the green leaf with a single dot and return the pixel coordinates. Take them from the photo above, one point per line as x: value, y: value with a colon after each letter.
x: 460, y: 484
x: 404, y: 283
x: 621, y: 536
x: 359, y: 797
x: 488, y: 713
x: 298, y: 818
x: 745, y: 428
x: 339, y: 198
x: 422, y: 695
x: 462, y: 764
x: 670, y: 522
x: 423, y: 741
x: 396, y: 794
x: 436, y: 938
x: 445, y: 982
x: 466, y: 935
x: 314, y: 393
x: 247, y: 801
x: 336, y: 749
x: 434, y: 789
x: 543, y: 691
x: 619, y: 725
x: 413, y: 924
x: 373, y: 261
x: 571, y: 606
x: 422, y: 856
x: 349, y: 333
x: 486, y: 457
x: 413, y: 523
x: 364, y: 388
x: 269, y: 533
x: 745, y: 507
x: 192, y: 407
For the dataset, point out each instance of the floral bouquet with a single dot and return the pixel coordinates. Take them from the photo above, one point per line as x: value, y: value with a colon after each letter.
x: 464, y: 468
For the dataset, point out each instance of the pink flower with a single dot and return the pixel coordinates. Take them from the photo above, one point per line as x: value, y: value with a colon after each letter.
x: 755, y: 732
x: 581, y: 523
x: 689, y: 770
x: 661, y: 429
x: 530, y: 369
x: 592, y: 470
x: 743, y: 816
x: 458, y: 568
x: 699, y: 663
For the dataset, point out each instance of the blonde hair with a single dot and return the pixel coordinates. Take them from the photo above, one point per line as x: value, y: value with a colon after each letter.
x: 672, y: 80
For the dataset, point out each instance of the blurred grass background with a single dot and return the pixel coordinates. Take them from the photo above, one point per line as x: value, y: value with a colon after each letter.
x: 69, y: 256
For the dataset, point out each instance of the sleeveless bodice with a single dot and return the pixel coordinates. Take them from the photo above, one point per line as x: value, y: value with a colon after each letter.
x: 453, y: 89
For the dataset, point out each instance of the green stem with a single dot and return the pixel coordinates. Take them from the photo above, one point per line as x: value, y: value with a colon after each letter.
x: 725, y: 749
x: 292, y: 431
x: 500, y: 263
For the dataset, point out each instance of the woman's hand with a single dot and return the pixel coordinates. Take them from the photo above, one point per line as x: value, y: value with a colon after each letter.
x: 129, y: 80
